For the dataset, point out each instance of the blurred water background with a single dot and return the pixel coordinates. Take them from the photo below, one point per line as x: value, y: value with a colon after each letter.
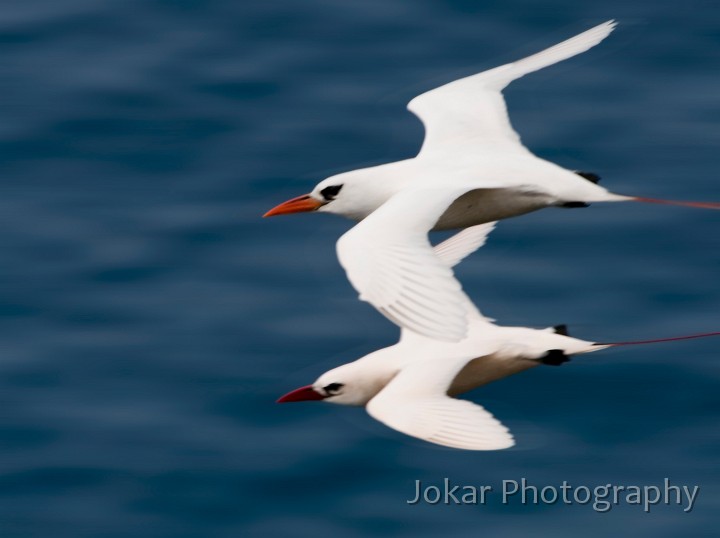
x: 150, y: 317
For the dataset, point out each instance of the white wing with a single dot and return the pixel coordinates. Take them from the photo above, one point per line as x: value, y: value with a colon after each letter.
x: 451, y: 252
x: 390, y: 262
x: 472, y: 109
x: 454, y: 250
x: 416, y: 403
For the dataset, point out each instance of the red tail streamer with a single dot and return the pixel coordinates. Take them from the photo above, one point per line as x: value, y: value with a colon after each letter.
x: 703, y: 205
x: 673, y: 339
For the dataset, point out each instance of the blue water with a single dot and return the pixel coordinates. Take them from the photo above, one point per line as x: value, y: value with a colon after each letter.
x: 150, y: 317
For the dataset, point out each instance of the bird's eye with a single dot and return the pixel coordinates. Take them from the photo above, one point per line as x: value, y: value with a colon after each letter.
x: 329, y: 193
x: 333, y: 388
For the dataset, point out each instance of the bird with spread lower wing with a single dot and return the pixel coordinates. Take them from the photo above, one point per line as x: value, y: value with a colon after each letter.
x: 472, y: 169
x: 410, y: 386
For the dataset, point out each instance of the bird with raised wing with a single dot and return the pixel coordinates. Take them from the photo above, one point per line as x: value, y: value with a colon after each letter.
x: 470, y: 143
x: 411, y: 386
x: 472, y: 169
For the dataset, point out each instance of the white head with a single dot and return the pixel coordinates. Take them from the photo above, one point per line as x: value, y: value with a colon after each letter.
x: 347, y: 385
x: 353, y: 195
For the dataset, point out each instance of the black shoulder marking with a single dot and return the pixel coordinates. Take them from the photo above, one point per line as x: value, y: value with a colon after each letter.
x: 574, y: 204
x: 555, y: 357
x: 561, y: 329
x: 592, y: 178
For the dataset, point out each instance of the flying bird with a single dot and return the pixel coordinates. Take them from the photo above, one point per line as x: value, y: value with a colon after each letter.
x: 411, y: 386
x: 471, y: 169
x: 469, y: 142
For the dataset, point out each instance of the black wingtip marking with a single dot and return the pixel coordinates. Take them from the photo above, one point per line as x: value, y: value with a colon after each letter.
x: 561, y: 329
x: 592, y: 178
x: 555, y: 357
x: 574, y: 204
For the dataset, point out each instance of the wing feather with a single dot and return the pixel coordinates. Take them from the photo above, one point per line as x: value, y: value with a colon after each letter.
x: 390, y: 262
x: 472, y: 109
x: 416, y: 403
x: 455, y: 249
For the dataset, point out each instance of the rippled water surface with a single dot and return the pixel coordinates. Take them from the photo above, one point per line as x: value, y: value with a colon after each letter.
x: 150, y: 317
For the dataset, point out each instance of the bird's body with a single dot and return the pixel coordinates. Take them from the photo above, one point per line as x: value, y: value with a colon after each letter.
x: 411, y: 385
x: 528, y: 183
x: 490, y: 352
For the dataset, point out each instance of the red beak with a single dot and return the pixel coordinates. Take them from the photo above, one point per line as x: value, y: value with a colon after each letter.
x: 300, y: 395
x: 296, y: 205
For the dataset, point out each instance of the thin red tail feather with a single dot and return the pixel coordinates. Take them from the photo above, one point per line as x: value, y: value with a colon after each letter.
x: 657, y: 340
x: 703, y: 205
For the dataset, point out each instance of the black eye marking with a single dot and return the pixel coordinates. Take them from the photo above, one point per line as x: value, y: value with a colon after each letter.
x: 333, y: 388
x: 329, y: 193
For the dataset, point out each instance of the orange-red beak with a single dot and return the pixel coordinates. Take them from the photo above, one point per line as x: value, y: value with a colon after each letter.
x: 296, y: 205
x: 300, y: 395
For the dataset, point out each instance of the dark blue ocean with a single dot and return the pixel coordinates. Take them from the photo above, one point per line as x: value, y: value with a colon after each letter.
x: 151, y: 317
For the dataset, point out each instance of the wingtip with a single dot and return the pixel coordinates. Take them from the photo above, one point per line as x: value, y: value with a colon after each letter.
x: 608, y: 25
x: 508, y: 441
x: 484, y: 445
x: 603, y: 30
